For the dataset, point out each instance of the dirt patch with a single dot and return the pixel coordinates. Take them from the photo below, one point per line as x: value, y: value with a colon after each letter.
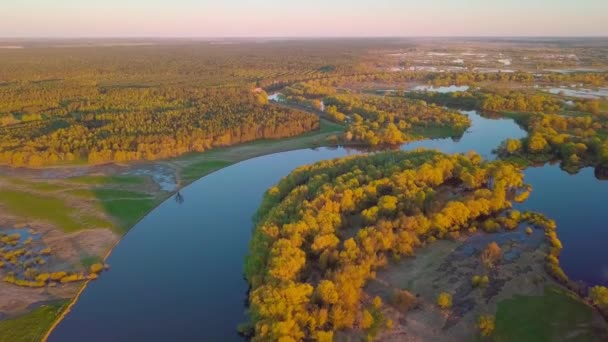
x: 448, y: 266
x: 16, y: 300
x: 75, y: 246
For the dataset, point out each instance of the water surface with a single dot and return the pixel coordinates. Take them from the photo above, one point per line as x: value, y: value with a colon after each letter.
x: 581, y: 93
x: 442, y: 90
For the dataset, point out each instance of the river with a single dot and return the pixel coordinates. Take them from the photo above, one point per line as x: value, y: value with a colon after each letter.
x: 177, y: 275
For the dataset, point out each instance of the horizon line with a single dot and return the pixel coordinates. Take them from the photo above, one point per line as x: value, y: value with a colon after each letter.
x: 303, y: 37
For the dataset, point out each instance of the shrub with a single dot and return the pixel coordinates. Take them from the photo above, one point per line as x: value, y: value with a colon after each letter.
x: 366, y: 320
x: 486, y: 325
x: 491, y: 255
x: 599, y: 297
x: 96, y: 268
x: 480, y: 281
x: 403, y: 300
x: 444, y: 300
x: 377, y: 302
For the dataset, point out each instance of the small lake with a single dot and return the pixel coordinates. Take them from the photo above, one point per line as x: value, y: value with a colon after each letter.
x: 178, y: 274
x: 276, y: 97
x: 580, y: 92
x: 443, y: 90
x: 279, y: 97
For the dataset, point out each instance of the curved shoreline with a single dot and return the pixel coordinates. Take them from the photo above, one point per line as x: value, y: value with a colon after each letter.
x: 75, y: 298
x: 271, y: 151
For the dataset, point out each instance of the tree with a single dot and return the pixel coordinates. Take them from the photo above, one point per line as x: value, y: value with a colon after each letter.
x: 486, y: 325
x: 512, y: 146
x: 444, y: 300
x: 491, y: 255
x: 327, y: 292
x: 599, y: 296
x: 388, y: 204
x: 537, y: 144
x: 367, y: 320
x: 96, y: 268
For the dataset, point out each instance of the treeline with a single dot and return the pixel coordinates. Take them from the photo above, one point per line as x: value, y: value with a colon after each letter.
x: 147, y: 124
x: 323, y: 231
x: 194, y: 63
x: 378, y: 120
x: 386, y: 120
x: 471, y: 78
x: 577, y: 141
x: 493, y: 100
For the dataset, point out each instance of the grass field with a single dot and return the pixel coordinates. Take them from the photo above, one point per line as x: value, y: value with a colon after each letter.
x: 193, y: 171
x: 128, y: 211
x: 32, y: 326
x: 35, y: 206
x: 556, y: 316
x: 103, y: 180
x: 195, y: 166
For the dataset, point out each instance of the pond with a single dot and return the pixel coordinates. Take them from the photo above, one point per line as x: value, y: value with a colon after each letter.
x: 580, y: 92
x: 178, y: 274
x: 279, y: 97
x: 443, y: 90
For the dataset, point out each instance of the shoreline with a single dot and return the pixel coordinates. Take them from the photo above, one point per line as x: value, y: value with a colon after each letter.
x: 273, y: 143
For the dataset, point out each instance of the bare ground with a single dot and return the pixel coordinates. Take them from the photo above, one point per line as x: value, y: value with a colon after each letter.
x: 448, y: 266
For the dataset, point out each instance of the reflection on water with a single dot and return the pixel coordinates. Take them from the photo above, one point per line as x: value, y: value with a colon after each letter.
x: 601, y: 172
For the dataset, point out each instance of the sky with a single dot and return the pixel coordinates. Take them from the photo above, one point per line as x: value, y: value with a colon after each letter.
x: 302, y: 18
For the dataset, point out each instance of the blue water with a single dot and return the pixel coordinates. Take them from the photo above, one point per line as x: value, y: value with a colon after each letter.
x: 578, y: 204
x: 177, y: 275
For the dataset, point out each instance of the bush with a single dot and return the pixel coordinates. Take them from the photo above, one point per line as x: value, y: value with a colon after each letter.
x: 599, y: 297
x: 96, y: 268
x: 480, y: 281
x: 403, y: 300
x: 444, y: 300
x: 486, y: 325
x: 491, y: 255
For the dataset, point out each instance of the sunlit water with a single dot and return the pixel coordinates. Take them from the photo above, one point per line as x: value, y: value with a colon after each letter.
x: 178, y: 274
x: 580, y: 92
x: 443, y: 90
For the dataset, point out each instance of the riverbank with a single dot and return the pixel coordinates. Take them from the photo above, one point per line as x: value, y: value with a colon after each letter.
x: 185, y: 169
x: 100, y: 192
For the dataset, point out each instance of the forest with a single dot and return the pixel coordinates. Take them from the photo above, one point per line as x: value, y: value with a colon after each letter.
x: 141, y: 103
x: 121, y: 125
x: 377, y: 120
x: 393, y: 121
x: 77, y: 105
x: 324, y: 230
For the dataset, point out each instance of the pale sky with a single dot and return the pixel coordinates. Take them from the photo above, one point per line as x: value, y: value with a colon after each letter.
x: 301, y: 18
